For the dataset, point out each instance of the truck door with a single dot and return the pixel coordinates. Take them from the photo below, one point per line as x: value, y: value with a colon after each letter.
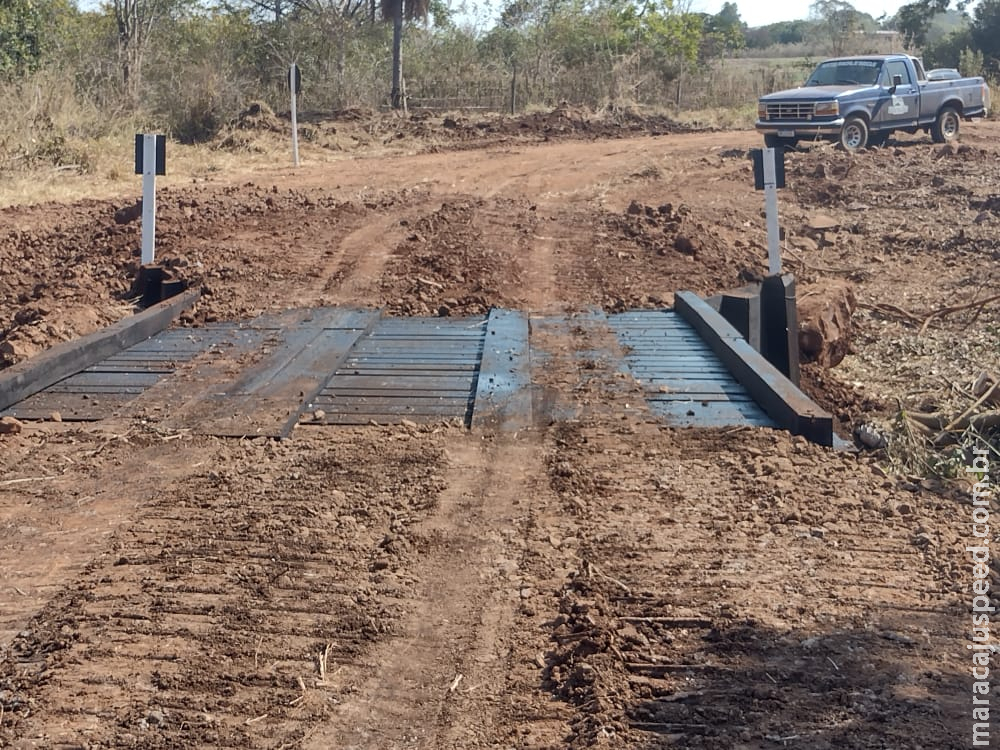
x: 901, y: 108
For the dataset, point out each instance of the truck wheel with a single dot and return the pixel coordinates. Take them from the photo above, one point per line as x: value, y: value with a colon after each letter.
x: 854, y: 134
x: 774, y: 141
x: 946, y: 125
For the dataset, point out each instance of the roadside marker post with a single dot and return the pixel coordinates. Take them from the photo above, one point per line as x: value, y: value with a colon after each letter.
x: 295, y: 86
x: 150, y: 160
x: 779, y: 326
x: 769, y: 175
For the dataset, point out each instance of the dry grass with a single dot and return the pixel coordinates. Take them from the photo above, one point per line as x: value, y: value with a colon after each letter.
x: 723, y: 118
x: 102, y: 171
x: 110, y: 174
x: 56, y: 147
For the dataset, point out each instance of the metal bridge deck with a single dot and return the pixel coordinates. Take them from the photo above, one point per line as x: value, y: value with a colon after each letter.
x: 350, y: 366
x: 684, y: 381
x: 100, y: 391
x: 421, y: 369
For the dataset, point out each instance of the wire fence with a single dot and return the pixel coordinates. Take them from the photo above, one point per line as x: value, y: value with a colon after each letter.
x: 730, y: 85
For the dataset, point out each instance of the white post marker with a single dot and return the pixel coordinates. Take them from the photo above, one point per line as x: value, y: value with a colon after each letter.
x: 148, y: 198
x: 771, y: 210
x: 293, y: 80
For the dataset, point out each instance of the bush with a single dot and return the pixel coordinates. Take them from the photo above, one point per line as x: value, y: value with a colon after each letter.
x: 44, y: 121
x: 970, y: 62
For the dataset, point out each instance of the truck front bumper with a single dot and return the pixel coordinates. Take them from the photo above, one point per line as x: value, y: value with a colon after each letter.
x: 799, y: 129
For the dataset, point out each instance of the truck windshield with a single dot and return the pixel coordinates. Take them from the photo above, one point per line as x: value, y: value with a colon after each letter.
x: 845, y: 73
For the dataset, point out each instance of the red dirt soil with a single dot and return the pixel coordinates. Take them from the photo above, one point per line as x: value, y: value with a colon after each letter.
x: 604, y: 581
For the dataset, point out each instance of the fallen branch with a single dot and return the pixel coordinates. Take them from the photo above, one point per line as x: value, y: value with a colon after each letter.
x: 321, y: 660
x: 672, y: 622
x: 660, y: 668
x: 8, y: 482
x: 668, y: 727
x: 954, y: 309
x: 926, y: 424
x: 822, y: 269
x: 965, y: 415
x: 593, y: 570
x: 924, y: 319
x: 891, y: 310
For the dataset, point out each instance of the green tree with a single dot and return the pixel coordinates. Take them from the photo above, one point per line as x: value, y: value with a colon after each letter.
x: 723, y: 32
x: 836, y: 21
x: 971, y: 62
x: 338, y: 22
x: 926, y: 21
x: 136, y: 22
x: 946, y: 51
x: 915, y: 21
x: 28, y: 29
x: 986, y: 33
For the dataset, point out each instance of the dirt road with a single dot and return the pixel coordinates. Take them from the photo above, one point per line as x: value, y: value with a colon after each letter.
x: 604, y: 581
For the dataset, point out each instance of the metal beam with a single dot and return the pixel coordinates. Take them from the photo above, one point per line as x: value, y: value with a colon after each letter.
x: 62, y: 360
x: 503, y: 398
x: 789, y: 407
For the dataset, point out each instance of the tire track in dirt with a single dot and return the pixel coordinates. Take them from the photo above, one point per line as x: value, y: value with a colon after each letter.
x: 55, y: 498
x: 462, y: 258
x: 221, y: 614
x: 443, y: 681
x: 350, y: 276
x: 466, y: 668
x: 661, y: 639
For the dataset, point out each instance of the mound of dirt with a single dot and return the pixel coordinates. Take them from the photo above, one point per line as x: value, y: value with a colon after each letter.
x: 563, y: 122
x: 258, y: 116
x: 825, y: 325
x: 62, y: 279
x: 849, y: 405
x: 245, y: 133
x: 666, y: 247
x: 70, y: 271
x: 445, y: 267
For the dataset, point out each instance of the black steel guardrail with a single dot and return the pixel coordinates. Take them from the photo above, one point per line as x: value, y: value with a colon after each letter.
x: 788, y: 406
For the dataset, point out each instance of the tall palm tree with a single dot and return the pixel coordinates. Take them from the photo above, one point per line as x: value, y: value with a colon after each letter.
x: 396, y: 10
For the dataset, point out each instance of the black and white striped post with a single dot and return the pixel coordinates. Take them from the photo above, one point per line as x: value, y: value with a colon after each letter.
x: 150, y: 160
x: 769, y: 175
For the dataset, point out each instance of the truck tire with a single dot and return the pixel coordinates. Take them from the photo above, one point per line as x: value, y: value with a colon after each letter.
x: 945, y: 127
x: 774, y: 141
x: 854, y: 134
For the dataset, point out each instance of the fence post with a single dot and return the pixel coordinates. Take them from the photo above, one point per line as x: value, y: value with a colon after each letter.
x: 513, y: 90
x: 295, y: 86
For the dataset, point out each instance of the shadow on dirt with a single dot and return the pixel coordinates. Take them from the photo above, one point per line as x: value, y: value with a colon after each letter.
x: 641, y: 674
x: 842, y: 689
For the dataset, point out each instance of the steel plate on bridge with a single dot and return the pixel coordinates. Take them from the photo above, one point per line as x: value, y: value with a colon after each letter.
x: 684, y: 381
x: 354, y: 367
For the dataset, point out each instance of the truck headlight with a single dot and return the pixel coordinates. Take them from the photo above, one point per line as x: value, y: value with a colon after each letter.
x: 823, y: 109
x: 761, y: 111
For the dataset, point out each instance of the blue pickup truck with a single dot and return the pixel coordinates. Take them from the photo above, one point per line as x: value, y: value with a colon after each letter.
x: 860, y: 101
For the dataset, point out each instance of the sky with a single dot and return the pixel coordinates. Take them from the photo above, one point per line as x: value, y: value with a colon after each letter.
x: 764, y: 12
